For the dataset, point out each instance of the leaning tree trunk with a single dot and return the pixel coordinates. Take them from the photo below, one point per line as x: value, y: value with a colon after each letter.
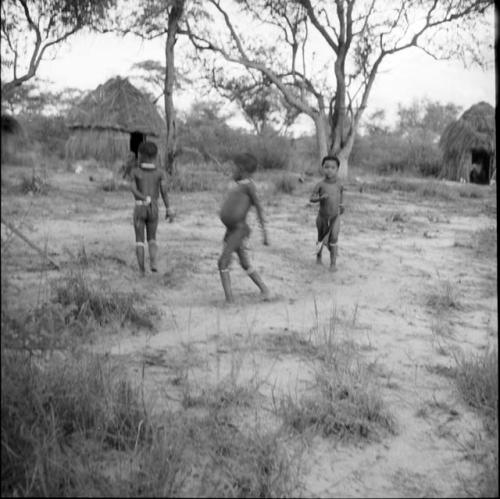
x: 174, y: 17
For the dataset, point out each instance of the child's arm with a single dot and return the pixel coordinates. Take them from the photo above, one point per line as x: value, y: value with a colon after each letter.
x: 341, y: 204
x: 315, y: 196
x: 252, y: 191
x: 136, y: 192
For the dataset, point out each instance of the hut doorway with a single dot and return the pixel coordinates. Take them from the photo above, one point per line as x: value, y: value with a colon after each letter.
x: 480, y: 174
x: 136, y: 139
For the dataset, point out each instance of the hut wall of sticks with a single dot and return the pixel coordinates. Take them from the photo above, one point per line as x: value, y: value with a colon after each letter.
x: 468, y: 146
x: 111, y: 121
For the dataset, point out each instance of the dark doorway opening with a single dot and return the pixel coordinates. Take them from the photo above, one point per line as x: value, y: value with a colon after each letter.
x: 480, y: 172
x: 136, y: 138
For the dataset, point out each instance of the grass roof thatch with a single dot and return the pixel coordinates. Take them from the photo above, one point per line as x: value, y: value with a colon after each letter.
x: 117, y: 105
x: 474, y: 130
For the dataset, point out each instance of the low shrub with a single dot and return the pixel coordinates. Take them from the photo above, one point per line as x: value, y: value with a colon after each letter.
x: 285, y: 183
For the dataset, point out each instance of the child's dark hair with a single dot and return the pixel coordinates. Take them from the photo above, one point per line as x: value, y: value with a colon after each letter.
x: 246, y: 161
x: 148, y: 150
x: 330, y: 158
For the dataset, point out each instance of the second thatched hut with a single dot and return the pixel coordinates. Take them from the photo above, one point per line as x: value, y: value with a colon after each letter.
x: 468, y: 146
x: 111, y: 121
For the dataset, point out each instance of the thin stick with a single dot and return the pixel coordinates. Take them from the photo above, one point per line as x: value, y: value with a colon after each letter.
x: 29, y: 243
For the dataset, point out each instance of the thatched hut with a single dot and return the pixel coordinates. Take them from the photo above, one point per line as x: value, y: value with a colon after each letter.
x: 12, y: 137
x: 111, y: 121
x: 468, y: 146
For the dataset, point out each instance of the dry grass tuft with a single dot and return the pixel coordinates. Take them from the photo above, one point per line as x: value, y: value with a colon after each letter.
x: 346, y: 401
x: 476, y: 377
x: 444, y: 299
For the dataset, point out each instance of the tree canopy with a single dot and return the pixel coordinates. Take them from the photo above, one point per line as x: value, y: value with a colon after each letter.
x: 31, y: 29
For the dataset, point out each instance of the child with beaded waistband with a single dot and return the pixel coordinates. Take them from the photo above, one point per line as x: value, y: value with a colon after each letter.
x: 146, y: 183
x: 233, y: 215
x: 329, y: 194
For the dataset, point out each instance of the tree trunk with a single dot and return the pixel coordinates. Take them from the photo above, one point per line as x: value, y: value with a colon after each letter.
x: 344, y: 154
x: 321, y: 135
x: 174, y: 16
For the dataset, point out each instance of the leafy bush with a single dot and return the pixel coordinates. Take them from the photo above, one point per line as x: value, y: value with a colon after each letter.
x: 50, y: 131
x: 272, y: 151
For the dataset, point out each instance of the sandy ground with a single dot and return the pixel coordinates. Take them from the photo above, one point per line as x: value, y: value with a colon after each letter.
x: 395, y: 250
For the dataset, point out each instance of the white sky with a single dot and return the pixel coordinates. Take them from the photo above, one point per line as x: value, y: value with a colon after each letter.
x: 88, y: 60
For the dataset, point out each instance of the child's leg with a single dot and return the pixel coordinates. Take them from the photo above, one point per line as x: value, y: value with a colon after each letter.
x: 231, y: 241
x: 332, y: 242
x: 151, y: 226
x: 139, y: 236
x: 242, y: 253
x: 323, y: 228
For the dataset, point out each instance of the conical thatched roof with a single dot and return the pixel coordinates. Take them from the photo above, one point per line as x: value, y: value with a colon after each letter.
x: 474, y: 130
x: 117, y: 105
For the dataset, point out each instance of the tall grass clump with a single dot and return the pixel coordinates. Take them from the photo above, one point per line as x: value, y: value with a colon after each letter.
x: 345, y: 403
x: 476, y: 377
x: 244, y: 464
x: 445, y: 298
x: 54, y: 417
x: 477, y: 380
x: 96, y: 301
x: 36, y: 183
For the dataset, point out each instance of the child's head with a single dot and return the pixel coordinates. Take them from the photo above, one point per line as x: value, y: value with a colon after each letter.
x: 147, y: 152
x: 330, y: 165
x: 245, y: 165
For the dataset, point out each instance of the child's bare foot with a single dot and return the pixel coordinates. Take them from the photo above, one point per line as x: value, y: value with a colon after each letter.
x: 318, y: 259
x: 333, y: 268
x: 265, y: 295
